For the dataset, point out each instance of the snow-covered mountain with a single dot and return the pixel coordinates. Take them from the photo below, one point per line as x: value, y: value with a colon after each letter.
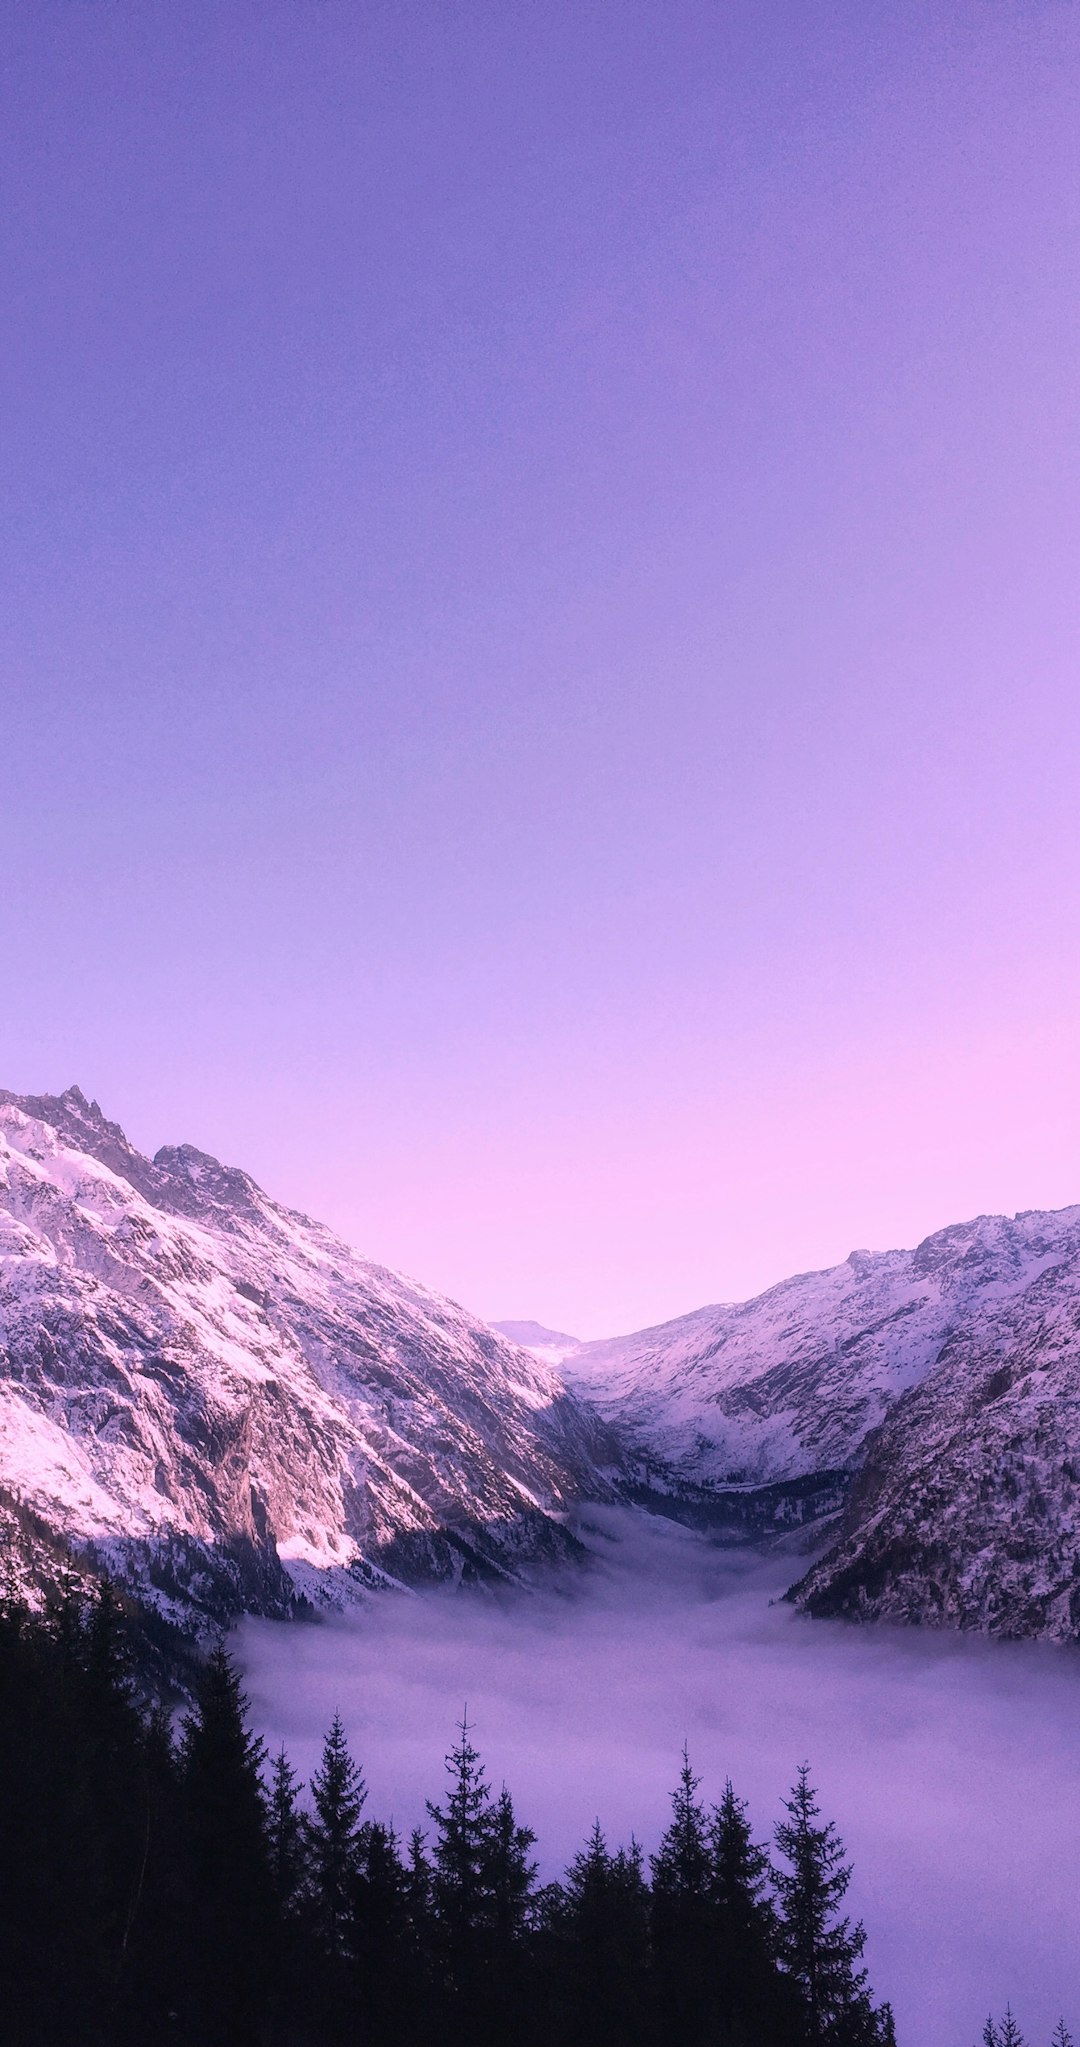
x: 222, y: 1403
x: 225, y: 1403
x: 553, y: 1345
x: 794, y: 1381
x: 937, y: 1389
x: 966, y: 1512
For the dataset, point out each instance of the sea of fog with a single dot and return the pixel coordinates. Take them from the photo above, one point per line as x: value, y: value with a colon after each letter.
x: 952, y: 1766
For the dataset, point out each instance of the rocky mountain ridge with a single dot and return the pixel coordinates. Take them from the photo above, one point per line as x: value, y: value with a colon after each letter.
x: 931, y: 1397
x: 966, y: 1511
x: 219, y: 1400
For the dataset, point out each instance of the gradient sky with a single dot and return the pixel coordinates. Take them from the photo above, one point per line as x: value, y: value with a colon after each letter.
x: 540, y: 694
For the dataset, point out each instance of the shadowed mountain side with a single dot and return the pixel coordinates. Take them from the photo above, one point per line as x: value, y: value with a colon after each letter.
x: 967, y: 1511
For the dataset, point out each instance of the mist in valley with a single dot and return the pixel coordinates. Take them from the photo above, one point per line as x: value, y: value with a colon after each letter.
x: 951, y: 1765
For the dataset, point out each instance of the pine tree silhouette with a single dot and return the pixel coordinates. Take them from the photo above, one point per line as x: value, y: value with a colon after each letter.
x: 333, y: 1837
x: 753, y: 1997
x: 482, y: 1886
x: 228, y: 1985
x: 385, y: 1985
x: 511, y: 1875
x: 285, y: 1830
x: 1007, y: 2034
x: 597, y: 1924
x: 682, y: 1865
x: 684, y: 1917
x: 461, y: 1847
x: 420, y: 1884
x: 821, y: 1949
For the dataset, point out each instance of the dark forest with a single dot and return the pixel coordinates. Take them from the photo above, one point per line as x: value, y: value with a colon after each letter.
x: 167, y: 1881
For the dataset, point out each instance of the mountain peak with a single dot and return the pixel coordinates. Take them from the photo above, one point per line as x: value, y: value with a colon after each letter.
x: 222, y: 1403
x: 69, y: 1113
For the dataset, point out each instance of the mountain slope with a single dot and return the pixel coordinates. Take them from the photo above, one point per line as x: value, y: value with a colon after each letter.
x: 795, y: 1382
x: 967, y: 1510
x: 221, y: 1399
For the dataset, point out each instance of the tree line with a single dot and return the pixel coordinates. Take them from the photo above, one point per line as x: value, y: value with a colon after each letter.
x: 167, y: 1884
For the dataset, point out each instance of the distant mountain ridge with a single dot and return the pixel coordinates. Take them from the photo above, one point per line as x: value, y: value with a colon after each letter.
x: 553, y: 1345
x: 935, y: 1391
x: 222, y: 1402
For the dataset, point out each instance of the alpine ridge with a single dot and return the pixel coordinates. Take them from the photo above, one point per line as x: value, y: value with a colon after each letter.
x: 931, y: 1395
x: 214, y: 1399
x: 219, y: 1401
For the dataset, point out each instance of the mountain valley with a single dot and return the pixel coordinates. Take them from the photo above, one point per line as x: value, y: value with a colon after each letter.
x: 218, y: 1402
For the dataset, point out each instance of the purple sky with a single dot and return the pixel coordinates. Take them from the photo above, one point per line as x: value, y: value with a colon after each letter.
x: 540, y: 699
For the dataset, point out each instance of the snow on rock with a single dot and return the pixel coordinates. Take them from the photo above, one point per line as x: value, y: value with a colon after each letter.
x: 967, y: 1510
x: 220, y: 1399
x: 220, y: 1402
x: 944, y: 1381
x: 794, y: 1381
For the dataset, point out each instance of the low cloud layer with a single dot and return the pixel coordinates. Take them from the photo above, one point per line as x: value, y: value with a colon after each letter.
x: 952, y: 1766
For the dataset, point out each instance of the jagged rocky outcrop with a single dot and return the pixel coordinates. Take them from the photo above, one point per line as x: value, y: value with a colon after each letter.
x: 220, y: 1401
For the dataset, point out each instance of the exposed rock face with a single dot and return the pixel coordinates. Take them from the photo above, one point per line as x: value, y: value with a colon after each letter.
x: 796, y: 1380
x: 217, y: 1399
x: 938, y: 1388
x: 967, y: 1510
x: 226, y: 1403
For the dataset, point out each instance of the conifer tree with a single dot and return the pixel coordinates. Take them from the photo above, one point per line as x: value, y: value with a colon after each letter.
x: 482, y: 1886
x: 751, y: 1993
x: 682, y: 1867
x: 285, y: 1830
x: 461, y: 1847
x: 421, y: 1937
x: 1062, y: 2036
x: 598, y: 1922
x: 333, y: 1834
x: 225, y: 1822
x: 511, y: 1875
x: 684, y: 1916
x: 510, y: 1883
x: 1007, y: 2034
x: 386, y: 1992
x: 821, y: 1949
x: 419, y: 1884
x: 740, y: 1872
